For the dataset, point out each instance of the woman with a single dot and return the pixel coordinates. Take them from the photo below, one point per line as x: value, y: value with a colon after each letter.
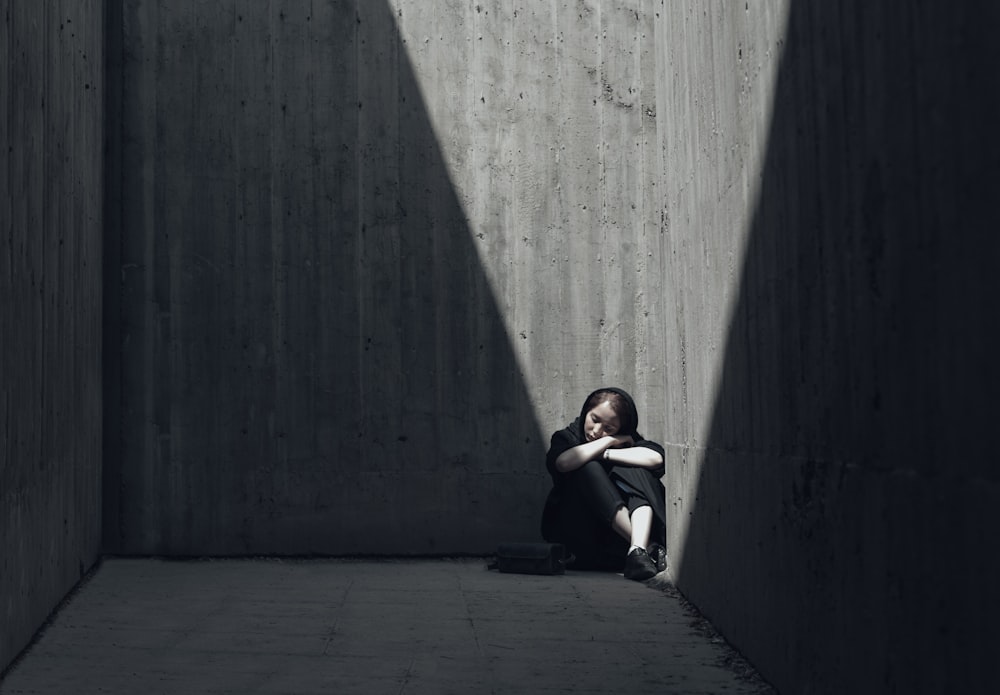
x: 607, y: 501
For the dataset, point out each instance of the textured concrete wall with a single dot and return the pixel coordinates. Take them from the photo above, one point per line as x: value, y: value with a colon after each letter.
x: 371, y: 255
x: 51, y: 200
x: 832, y: 299
x: 545, y: 115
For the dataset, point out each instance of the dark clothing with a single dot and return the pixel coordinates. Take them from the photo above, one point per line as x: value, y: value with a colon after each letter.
x: 582, y: 503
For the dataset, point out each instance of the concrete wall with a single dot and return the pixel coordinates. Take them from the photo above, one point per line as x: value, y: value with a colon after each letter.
x: 363, y: 257
x: 372, y: 254
x: 51, y: 198
x: 832, y: 298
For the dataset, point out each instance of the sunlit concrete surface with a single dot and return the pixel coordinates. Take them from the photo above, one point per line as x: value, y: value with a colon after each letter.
x: 342, y: 626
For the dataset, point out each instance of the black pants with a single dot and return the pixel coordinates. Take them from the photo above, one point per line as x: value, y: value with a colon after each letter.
x: 579, y: 513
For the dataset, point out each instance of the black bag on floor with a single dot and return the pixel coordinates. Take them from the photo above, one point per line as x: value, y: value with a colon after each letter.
x: 531, y: 558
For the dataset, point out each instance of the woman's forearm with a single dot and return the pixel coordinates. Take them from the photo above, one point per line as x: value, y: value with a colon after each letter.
x: 638, y: 456
x: 573, y: 458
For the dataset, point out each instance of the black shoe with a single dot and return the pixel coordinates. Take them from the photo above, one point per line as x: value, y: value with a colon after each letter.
x: 659, y: 556
x: 639, y: 566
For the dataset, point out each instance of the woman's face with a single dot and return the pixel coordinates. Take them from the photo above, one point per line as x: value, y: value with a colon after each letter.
x: 600, y: 421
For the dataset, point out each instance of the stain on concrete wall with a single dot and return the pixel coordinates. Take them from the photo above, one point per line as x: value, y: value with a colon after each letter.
x: 832, y: 299
x: 51, y: 131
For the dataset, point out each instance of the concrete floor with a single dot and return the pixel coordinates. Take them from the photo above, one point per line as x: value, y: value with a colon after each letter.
x: 342, y: 626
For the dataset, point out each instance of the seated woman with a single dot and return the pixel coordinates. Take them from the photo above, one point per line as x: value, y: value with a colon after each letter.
x: 607, y: 501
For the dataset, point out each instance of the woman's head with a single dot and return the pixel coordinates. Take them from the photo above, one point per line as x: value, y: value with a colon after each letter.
x: 608, y: 412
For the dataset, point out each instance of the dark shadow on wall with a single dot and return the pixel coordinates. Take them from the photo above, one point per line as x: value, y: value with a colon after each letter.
x: 839, y: 535
x: 312, y: 360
